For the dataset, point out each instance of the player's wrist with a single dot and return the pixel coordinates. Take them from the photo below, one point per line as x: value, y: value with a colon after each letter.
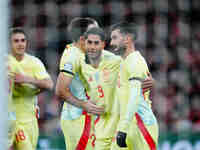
x: 83, y: 104
x: 30, y: 80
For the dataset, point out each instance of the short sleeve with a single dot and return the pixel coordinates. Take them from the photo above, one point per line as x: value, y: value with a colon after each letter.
x: 137, y: 69
x: 69, y: 61
x: 40, y: 71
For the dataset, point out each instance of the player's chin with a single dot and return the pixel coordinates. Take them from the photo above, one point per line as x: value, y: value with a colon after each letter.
x: 116, y: 51
x: 92, y: 55
x: 20, y: 51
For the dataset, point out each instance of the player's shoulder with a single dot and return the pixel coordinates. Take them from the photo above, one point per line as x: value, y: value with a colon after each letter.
x: 11, y: 61
x: 10, y: 57
x: 31, y: 59
x: 110, y: 56
x: 70, y: 48
x: 71, y: 51
x: 135, y: 57
x: 71, y: 55
x: 137, y: 61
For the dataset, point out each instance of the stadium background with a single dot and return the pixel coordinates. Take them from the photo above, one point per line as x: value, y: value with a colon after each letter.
x: 169, y: 39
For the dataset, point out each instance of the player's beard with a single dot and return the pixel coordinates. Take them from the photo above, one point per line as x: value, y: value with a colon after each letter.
x: 121, y: 50
x: 118, y: 50
x: 93, y: 59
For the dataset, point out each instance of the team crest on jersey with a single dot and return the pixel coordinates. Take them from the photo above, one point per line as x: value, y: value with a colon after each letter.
x: 68, y: 67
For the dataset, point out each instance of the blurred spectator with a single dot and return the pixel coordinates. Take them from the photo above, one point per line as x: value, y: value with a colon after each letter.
x: 194, y: 115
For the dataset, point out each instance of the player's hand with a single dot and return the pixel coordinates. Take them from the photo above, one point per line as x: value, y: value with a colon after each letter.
x: 148, y: 83
x: 20, y: 78
x: 121, y: 139
x: 93, y: 108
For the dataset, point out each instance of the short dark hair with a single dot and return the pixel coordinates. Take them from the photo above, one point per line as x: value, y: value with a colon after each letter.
x: 78, y: 26
x: 126, y: 28
x: 16, y: 30
x: 96, y: 31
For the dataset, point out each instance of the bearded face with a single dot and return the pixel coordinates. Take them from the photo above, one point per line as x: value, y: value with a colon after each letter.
x: 117, y: 43
x: 94, y: 46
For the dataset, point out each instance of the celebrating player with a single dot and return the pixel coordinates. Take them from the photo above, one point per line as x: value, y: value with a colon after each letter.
x: 75, y: 121
x: 137, y: 128
x: 30, y: 78
x: 71, y: 89
x: 100, y: 69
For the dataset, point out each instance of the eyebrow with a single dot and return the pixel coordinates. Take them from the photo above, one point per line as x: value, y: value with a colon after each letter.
x: 18, y: 39
x: 90, y: 41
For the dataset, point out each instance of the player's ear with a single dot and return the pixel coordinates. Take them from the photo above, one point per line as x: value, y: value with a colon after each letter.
x: 103, y: 44
x: 126, y: 39
x: 129, y: 37
x: 82, y: 38
x: 27, y: 44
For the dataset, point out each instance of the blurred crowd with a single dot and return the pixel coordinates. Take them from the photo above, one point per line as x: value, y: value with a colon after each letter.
x: 169, y: 39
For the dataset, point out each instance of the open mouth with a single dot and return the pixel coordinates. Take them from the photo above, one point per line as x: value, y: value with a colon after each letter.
x: 113, y: 48
x: 91, y: 54
x: 21, y: 48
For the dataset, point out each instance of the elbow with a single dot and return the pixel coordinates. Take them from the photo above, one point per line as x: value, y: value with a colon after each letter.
x: 59, y: 93
x: 63, y: 94
x: 50, y: 85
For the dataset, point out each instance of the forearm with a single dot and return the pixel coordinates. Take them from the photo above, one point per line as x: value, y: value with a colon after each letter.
x: 68, y: 97
x: 64, y: 93
x: 42, y: 84
x: 131, y: 106
x: 63, y: 90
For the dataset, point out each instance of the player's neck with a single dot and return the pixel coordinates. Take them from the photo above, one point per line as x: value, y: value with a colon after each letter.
x: 95, y: 62
x: 130, y: 48
x: 18, y: 57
